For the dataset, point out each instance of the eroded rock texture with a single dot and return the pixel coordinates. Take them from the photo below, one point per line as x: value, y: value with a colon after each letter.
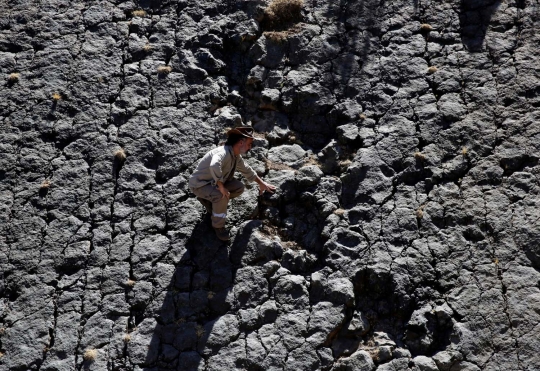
x: 404, y: 140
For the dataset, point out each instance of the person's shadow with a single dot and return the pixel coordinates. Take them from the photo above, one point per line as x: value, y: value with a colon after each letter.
x: 213, y: 282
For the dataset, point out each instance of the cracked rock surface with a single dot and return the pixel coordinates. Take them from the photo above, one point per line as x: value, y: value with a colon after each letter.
x: 403, y: 138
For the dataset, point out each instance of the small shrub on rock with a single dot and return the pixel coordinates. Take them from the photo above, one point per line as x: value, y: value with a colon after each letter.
x: 46, y: 184
x: 164, y: 70
x: 139, y: 13
x: 281, y: 14
x: 120, y: 155
x: 14, y: 77
x: 90, y: 355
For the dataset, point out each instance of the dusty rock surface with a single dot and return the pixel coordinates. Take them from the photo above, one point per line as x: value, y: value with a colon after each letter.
x: 403, y: 137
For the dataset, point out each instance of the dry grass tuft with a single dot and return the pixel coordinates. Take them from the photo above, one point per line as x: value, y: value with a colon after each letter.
x: 292, y: 245
x: 199, y: 331
x: 120, y: 155
x: 147, y: 48
x: 46, y: 184
x: 420, y: 212
x: 139, y: 13
x: 419, y: 156
x: 275, y: 166
x: 127, y: 338
x: 56, y: 97
x: 14, y: 77
x: 282, y: 36
x: 339, y: 212
x: 2, y: 354
x: 2, y: 331
x: 344, y: 165
x: 90, y: 355
x: 432, y: 69
x: 312, y: 160
x: 280, y: 14
x: 164, y: 70
x: 362, y: 116
x: 130, y: 283
x: 269, y: 229
x: 464, y: 151
x: 426, y: 27
x: 373, y: 353
x: 276, y: 36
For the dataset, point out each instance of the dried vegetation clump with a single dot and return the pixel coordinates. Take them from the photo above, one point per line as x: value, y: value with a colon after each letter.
x: 14, y: 77
x: 312, y: 160
x: 339, y: 212
x: 120, y: 155
x: 56, y: 97
x: 139, y: 13
x: 419, y: 156
x: 281, y: 18
x: 432, y: 69
x: 46, y: 184
x: 164, y: 70
x: 127, y: 338
x: 281, y: 14
x: 291, y: 245
x: 282, y: 36
x: 90, y: 355
x: 426, y: 27
x: 270, y: 165
x: 344, y: 165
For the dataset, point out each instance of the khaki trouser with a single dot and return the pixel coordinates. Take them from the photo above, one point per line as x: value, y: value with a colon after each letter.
x: 219, y: 203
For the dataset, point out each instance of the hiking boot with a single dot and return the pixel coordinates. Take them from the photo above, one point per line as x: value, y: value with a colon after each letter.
x: 207, y: 204
x: 222, y: 234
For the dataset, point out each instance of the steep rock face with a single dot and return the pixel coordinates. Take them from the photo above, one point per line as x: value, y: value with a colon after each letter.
x: 402, y: 137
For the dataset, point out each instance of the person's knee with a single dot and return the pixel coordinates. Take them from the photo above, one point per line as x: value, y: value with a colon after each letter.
x: 237, y: 189
x: 241, y: 188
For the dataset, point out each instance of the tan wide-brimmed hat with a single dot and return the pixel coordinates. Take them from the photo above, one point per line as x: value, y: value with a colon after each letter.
x: 245, y: 131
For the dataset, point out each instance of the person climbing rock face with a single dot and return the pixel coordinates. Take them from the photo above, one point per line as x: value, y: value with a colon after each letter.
x: 213, y: 180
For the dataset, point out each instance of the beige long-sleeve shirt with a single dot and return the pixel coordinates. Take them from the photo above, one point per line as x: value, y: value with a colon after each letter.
x: 219, y: 165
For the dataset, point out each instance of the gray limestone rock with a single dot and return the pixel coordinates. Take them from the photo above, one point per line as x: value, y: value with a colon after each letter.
x: 360, y: 360
x: 403, y: 142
